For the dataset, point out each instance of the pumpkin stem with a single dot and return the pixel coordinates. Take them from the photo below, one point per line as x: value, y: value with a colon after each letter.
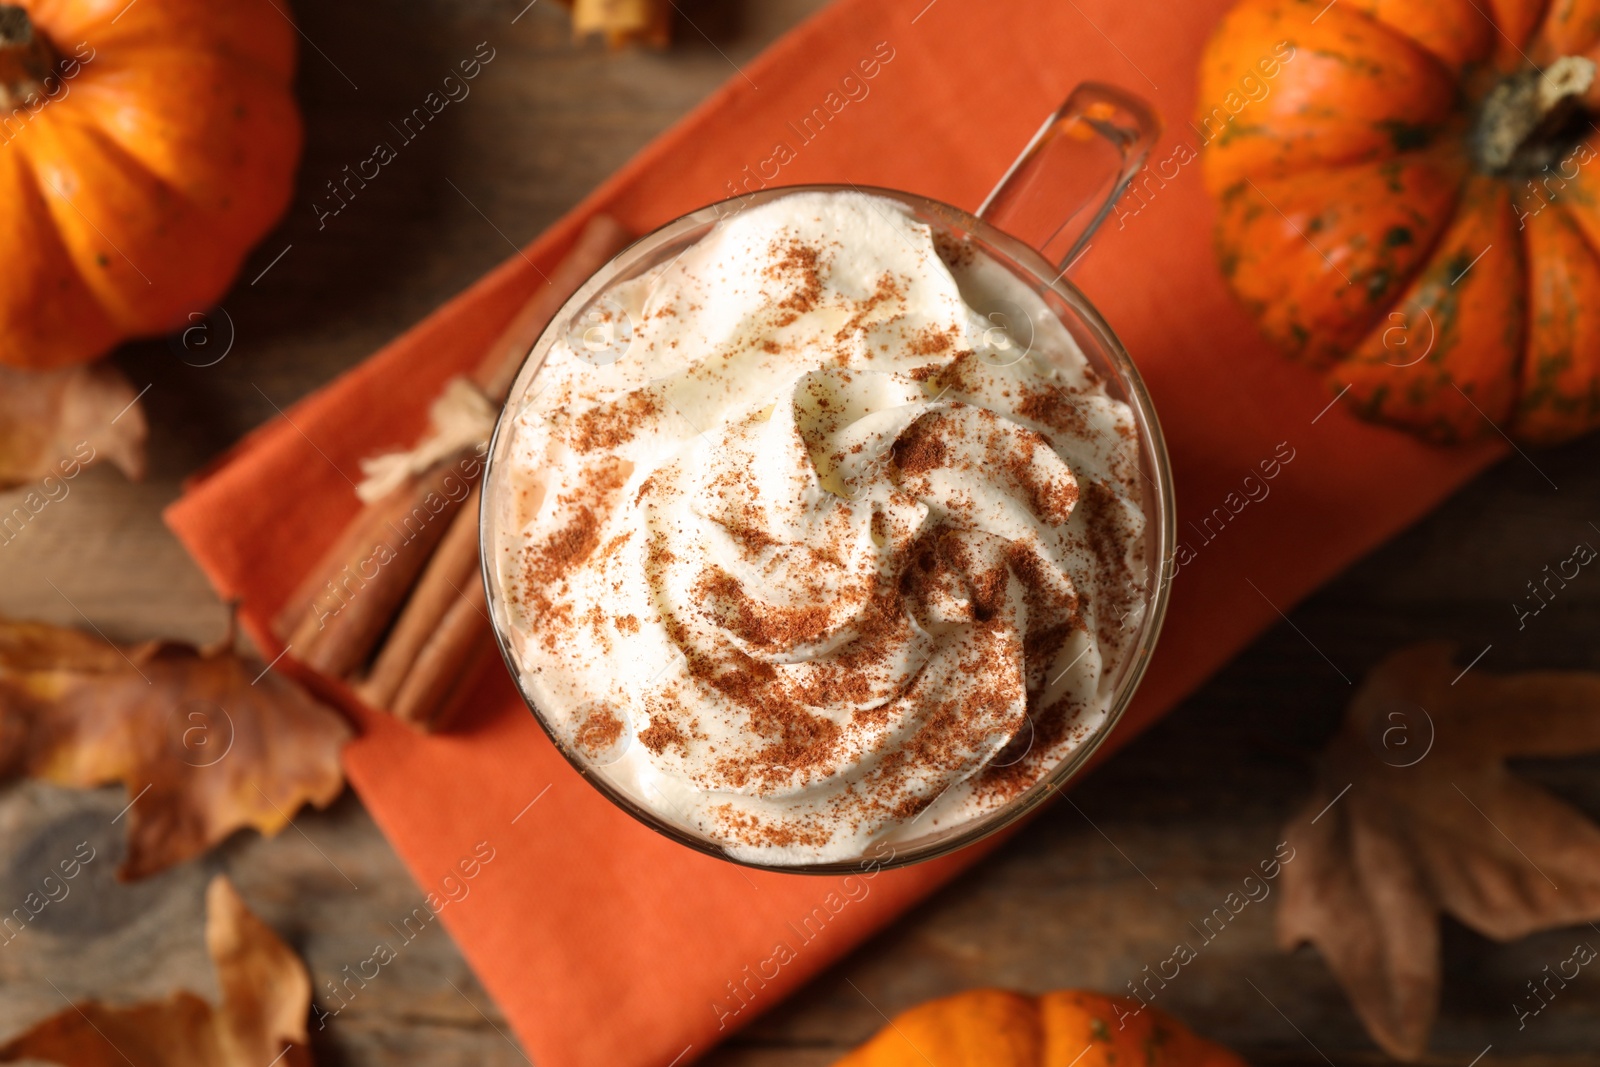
x: 27, y: 58
x: 1526, y: 118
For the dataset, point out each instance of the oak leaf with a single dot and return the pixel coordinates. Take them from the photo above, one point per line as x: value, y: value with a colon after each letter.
x: 266, y: 997
x: 206, y: 742
x: 1415, y: 814
x: 52, y: 423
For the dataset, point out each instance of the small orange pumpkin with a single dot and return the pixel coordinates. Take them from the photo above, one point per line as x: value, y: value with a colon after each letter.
x: 1410, y: 200
x: 144, y: 148
x: 995, y: 1028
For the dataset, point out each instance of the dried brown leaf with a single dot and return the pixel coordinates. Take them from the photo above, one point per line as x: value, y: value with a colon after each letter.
x: 266, y: 996
x: 1433, y: 822
x: 205, y: 742
x: 54, y: 422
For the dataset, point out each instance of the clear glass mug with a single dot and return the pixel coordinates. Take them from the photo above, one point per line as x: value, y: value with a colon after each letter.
x: 1084, y: 156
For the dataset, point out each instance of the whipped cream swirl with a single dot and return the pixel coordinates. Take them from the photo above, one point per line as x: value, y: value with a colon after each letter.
x: 809, y: 552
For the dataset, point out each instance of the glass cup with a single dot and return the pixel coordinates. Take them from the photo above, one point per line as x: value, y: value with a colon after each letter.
x: 1039, y: 220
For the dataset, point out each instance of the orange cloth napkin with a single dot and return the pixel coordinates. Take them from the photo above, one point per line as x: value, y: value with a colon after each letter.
x: 603, y: 943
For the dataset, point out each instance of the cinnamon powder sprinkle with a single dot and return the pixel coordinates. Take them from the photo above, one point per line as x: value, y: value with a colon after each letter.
x: 750, y: 536
x: 919, y: 449
x: 762, y: 625
x: 796, y: 263
x: 1109, y: 540
x: 575, y: 541
x: 599, y: 732
x: 886, y: 289
x: 566, y: 548
x: 610, y: 425
x: 743, y: 826
x: 930, y: 341
x: 662, y: 732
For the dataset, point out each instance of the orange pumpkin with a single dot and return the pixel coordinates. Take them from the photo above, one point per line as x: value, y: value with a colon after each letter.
x: 1410, y: 201
x: 144, y: 148
x: 994, y: 1028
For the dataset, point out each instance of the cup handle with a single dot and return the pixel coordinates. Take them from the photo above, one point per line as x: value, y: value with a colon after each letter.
x: 1064, y: 184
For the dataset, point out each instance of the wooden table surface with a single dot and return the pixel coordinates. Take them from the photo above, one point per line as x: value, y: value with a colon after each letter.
x: 1084, y: 897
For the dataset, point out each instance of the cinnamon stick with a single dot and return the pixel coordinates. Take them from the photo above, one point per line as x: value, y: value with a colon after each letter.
x: 363, y: 588
x: 453, y: 567
x: 354, y: 543
x: 345, y: 605
x: 457, y: 698
x: 444, y: 657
